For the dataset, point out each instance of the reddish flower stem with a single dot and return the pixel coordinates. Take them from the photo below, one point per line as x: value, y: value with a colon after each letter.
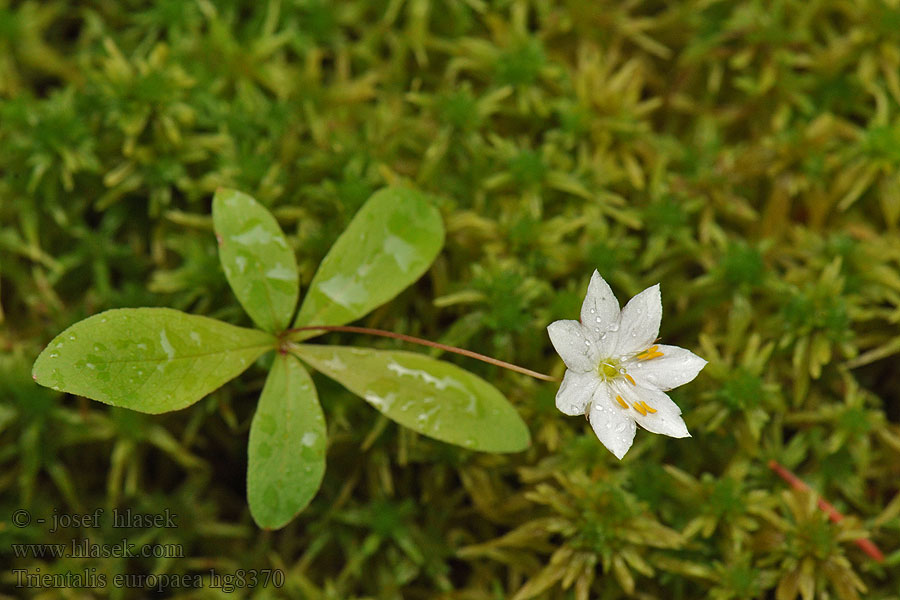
x: 834, y: 514
x: 424, y: 342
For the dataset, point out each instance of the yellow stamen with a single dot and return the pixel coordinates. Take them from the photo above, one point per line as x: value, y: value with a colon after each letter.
x: 621, y: 402
x: 647, y: 407
x: 649, y: 353
x: 630, y: 379
x: 639, y: 407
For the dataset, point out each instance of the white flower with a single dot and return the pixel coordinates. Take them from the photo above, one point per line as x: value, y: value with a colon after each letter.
x: 617, y: 374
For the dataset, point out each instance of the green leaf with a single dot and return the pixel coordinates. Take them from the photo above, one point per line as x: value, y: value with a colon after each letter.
x: 151, y: 360
x: 387, y: 246
x: 432, y: 397
x: 258, y: 262
x: 286, y: 454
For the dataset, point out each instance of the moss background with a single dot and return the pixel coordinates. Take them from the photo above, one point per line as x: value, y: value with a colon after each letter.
x: 743, y: 154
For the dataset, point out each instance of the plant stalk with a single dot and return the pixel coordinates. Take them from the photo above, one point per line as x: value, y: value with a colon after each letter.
x: 834, y: 514
x: 424, y: 342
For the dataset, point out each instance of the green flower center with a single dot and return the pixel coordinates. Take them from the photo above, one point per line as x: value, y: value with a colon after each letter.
x: 608, y: 369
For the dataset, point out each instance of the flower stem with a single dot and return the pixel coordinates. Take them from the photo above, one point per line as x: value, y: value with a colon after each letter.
x: 834, y: 514
x: 423, y: 342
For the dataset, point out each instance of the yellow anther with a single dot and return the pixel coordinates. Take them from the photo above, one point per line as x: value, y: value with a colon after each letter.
x: 651, y: 352
x: 621, y: 402
x: 630, y: 379
x: 638, y: 406
x: 647, y: 407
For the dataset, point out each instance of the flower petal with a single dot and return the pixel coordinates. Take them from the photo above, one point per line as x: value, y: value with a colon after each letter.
x: 639, y: 322
x: 600, y: 307
x: 604, y: 344
x: 575, y: 391
x: 675, y: 367
x: 667, y: 418
x: 612, y: 423
x: 574, y: 345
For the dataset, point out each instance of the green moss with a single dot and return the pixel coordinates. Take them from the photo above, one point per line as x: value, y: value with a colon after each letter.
x: 520, y: 64
x: 742, y: 266
x: 743, y: 155
x: 527, y: 168
x: 742, y: 390
x: 459, y: 110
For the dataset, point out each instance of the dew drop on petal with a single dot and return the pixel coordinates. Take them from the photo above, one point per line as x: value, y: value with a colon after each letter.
x: 620, y: 427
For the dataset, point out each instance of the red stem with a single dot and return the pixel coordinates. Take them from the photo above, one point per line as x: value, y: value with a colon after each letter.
x: 423, y: 342
x: 834, y: 514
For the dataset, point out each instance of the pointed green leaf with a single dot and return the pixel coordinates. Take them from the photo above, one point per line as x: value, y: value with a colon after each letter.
x: 286, y: 453
x: 151, y: 360
x: 258, y: 262
x: 390, y: 242
x: 432, y: 397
